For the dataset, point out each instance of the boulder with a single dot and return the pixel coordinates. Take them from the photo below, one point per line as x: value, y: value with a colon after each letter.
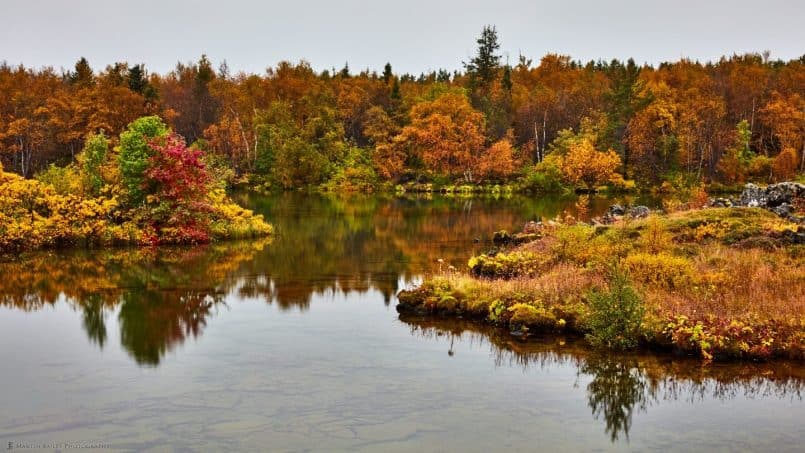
x: 522, y: 238
x: 721, y: 203
x: 794, y: 237
x: 784, y: 192
x: 753, y: 196
x: 773, y: 195
x: 783, y: 210
x: 639, y: 212
x: 532, y: 227
x: 616, y: 210
x: 501, y: 237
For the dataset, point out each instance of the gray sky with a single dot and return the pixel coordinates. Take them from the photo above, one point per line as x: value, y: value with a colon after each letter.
x: 414, y: 35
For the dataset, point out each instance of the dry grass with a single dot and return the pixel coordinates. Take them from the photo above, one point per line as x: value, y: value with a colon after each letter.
x: 713, y: 281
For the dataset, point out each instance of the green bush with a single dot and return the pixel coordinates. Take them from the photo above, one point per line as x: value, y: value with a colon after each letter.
x: 545, y: 177
x: 135, y: 151
x: 615, y: 315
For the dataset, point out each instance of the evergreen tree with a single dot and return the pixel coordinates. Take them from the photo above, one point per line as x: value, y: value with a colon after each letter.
x: 83, y: 75
x: 507, y: 78
x: 137, y: 81
x: 395, y: 90
x: 387, y: 74
x: 483, y: 67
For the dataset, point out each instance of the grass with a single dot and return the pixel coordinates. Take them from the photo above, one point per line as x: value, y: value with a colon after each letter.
x: 718, y: 283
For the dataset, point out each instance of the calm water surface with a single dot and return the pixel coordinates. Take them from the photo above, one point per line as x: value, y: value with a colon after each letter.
x: 293, y: 344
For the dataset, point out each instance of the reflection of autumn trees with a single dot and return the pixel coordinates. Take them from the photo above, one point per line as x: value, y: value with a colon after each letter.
x: 323, y: 245
x: 162, y: 296
x: 357, y: 243
x: 621, y: 385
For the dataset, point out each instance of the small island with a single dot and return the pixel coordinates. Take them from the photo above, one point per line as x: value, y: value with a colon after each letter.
x: 722, y: 281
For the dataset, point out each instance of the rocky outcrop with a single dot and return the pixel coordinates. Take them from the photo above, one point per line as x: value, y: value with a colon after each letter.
x: 617, y: 212
x: 530, y: 233
x: 778, y: 198
x: 773, y: 195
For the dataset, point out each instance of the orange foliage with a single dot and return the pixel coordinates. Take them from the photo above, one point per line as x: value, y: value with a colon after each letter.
x: 584, y: 165
x: 497, y: 161
x: 446, y: 133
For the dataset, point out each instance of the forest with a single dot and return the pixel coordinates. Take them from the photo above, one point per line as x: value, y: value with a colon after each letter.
x: 555, y: 124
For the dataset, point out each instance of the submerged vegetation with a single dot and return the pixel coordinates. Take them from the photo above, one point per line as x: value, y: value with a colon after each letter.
x: 720, y: 283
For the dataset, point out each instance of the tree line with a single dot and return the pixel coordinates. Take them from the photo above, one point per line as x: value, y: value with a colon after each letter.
x: 739, y: 119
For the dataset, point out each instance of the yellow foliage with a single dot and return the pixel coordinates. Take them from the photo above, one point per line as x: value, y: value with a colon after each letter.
x: 661, y: 270
x: 583, y: 164
x: 33, y: 215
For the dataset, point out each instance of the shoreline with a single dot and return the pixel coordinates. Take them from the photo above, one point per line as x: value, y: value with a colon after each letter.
x: 721, y: 284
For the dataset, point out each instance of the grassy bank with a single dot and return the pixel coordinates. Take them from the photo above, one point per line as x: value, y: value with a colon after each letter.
x: 719, y: 283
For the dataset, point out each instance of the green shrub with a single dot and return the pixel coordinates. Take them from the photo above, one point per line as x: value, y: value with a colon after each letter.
x: 545, y: 177
x: 92, y: 157
x: 65, y: 180
x: 615, y: 315
x: 135, y: 150
x: 530, y: 316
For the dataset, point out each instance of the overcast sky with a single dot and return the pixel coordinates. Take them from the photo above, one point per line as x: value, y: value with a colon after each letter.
x: 414, y: 35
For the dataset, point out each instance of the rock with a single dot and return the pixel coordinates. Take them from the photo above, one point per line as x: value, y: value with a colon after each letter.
x: 501, y: 237
x: 617, y: 210
x: 794, y: 237
x: 720, y: 203
x: 783, y: 210
x: 752, y: 196
x: 522, y: 238
x: 784, y: 192
x: 639, y: 212
x: 773, y: 195
x: 532, y: 227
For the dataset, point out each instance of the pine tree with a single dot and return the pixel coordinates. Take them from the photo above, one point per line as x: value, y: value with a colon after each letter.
x: 387, y: 74
x: 483, y: 67
x: 137, y: 81
x: 83, y: 75
x: 345, y: 71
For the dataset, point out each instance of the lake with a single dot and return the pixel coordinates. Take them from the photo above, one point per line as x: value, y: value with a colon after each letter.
x: 293, y: 343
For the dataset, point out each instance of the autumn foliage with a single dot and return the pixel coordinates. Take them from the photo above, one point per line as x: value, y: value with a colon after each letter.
x: 585, y: 166
x: 90, y: 204
x: 730, y: 121
x: 179, y: 184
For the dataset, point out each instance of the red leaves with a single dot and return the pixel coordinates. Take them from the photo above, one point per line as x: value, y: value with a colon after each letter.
x: 177, y: 181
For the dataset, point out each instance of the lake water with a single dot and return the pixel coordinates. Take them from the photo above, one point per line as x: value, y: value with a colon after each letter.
x: 293, y: 344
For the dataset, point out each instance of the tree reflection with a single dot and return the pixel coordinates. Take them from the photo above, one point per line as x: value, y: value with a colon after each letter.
x: 352, y: 244
x: 324, y: 245
x: 94, y: 323
x: 617, y: 388
x: 622, y: 385
x: 161, y: 296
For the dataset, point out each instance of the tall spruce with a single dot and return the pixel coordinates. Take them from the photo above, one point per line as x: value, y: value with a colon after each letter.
x: 482, y: 69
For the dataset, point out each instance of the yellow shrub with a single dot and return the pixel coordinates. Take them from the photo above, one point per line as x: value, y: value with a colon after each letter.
x: 660, y: 270
x: 532, y: 316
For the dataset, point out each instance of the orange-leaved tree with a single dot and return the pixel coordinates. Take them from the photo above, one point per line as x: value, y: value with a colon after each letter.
x: 498, y: 161
x: 584, y: 165
x: 446, y: 133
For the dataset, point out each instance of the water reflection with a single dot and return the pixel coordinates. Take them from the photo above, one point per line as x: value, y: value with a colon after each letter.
x: 357, y: 243
x: 345, y: 362
x: 161, y: 296
x: 619, y: 386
